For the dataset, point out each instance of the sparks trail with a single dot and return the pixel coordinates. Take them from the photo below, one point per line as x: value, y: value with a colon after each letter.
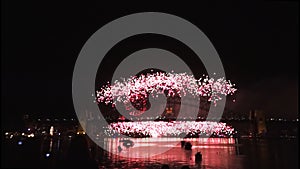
x: 167, y: 129
x: 136, y: 89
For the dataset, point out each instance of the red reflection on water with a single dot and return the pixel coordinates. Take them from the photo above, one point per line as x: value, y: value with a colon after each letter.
x: 216, y: 152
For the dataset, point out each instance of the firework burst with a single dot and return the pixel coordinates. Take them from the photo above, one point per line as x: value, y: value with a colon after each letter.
x: 172, y: 84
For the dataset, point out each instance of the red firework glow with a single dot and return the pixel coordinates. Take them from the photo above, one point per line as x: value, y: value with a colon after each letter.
x: 138, y: 89
x: 170, y: 129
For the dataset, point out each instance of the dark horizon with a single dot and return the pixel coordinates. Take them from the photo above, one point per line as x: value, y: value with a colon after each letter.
x: 257, y: 43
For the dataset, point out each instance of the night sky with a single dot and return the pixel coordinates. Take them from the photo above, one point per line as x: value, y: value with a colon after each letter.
x: 257, y: 43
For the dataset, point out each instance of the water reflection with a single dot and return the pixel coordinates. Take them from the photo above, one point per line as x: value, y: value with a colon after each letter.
x: 216, y: 153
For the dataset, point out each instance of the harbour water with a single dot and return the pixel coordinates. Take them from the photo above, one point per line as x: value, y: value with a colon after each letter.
x: 217, y: 153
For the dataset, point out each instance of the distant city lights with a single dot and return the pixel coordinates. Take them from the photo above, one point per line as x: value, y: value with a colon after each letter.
x: 51, y: 130
x: 47, y: 155
x: 20, y: 143
x: 80, y: 132
x: 30, y: 135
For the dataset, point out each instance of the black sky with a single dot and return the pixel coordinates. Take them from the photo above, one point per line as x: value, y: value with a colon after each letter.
x: 257, y: 43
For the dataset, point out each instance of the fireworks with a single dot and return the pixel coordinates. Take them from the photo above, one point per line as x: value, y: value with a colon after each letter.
x: 173, y: 84
x: 170, y: 129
